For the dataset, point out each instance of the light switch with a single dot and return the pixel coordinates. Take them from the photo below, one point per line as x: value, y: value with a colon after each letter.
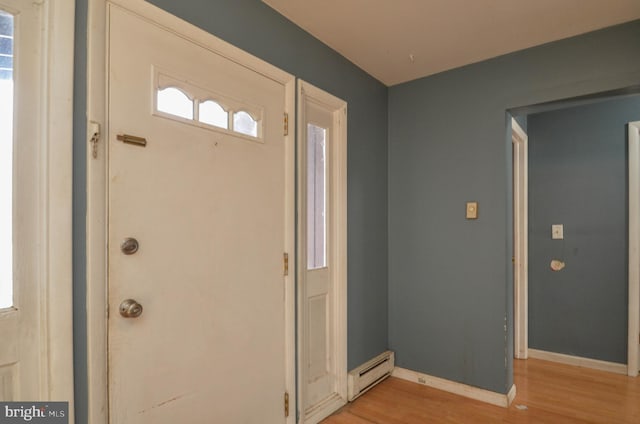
x: 472, y: 210
x: 557, y: 232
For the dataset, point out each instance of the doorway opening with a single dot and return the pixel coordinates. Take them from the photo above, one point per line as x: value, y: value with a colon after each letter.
x: 572, y: 267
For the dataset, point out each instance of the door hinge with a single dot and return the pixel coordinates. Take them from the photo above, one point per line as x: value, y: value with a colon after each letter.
x: 95, y: 138
x: 286, y: 124
x: 286, y: 404
x: 286, y: 264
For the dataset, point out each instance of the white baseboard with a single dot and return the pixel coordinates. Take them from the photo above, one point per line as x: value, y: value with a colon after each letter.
x: 322, y: 410
x: 511, y: 395
x: 460, y: 389
x: 595, y: 364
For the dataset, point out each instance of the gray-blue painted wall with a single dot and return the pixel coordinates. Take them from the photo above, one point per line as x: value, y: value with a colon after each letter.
x: 256, y: 28
x: 79, y: 215
x: 578, y: 178
x: 450, y: 280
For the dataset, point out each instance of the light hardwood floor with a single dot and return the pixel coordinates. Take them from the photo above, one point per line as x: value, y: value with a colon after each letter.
x: 552, y: 393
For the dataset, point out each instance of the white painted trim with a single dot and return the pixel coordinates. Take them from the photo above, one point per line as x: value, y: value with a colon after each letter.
x: 578, y: 361
x: 97, y: 186
x: 290, y: 246
x: 520, y: 240
x: 511, y: 395
x: 323, y: 410
x: 338, y: 256
x: 97, y: 376
x: 471, y: 392
x: 57, y: 183
x: 633, y: 351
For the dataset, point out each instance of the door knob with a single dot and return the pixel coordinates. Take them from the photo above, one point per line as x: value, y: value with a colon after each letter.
x: 129, y: 308
x: 129, y: 246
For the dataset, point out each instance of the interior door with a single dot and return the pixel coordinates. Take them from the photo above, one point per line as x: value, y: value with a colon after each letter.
x: 196, y: 233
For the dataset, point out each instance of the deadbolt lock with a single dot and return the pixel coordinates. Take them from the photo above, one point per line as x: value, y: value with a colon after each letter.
x: 129, y: 246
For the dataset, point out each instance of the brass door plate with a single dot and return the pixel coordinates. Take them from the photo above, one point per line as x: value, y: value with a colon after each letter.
x: 472, y: 210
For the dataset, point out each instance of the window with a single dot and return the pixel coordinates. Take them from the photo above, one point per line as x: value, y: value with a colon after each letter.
x: 213, y: 114
x: 6, y: 160
x: 316, y: 197
x: 175, y: 102
x: 203, y: 108
x: 245, y: 124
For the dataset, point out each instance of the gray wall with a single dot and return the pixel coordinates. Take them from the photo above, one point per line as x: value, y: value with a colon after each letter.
x: 450, y: 280
x: 256, y: 28
x: 79, y: 214
x: 578, y: 177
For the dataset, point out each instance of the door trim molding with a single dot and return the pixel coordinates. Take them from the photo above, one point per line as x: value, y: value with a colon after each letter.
x: 520, y: 240
x: 97, y: 186
x: 56, y: 200
x: 338, y: 255
x: 634, y: 250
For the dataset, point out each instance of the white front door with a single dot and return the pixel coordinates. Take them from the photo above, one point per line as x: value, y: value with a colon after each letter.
x: 322, y: 253
x: 203, y: 195
x: 22, y: 323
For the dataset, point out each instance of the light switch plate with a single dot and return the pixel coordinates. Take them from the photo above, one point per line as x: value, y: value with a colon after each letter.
x: 557, y: 232
x: 472, y: 210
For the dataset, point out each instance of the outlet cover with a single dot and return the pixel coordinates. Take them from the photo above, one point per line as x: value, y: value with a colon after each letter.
x: 557, y: 232
x: 472, y: 210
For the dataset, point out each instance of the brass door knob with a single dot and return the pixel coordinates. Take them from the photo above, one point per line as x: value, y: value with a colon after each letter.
x: 129, y: 308
x: 129, y: 246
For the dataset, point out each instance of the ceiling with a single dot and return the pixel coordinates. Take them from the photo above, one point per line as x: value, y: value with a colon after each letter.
x: 401, y: 40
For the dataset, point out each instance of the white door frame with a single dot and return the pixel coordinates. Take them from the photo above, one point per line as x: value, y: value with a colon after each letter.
x: 97, y: 186
x: 520, y: 240
x: 53, y: 157
x: 57, y: 214
x: 634, y: 249
x: 337, y: 233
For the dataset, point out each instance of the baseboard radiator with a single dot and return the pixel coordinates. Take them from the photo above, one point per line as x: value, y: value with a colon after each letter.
x: 369, y: 374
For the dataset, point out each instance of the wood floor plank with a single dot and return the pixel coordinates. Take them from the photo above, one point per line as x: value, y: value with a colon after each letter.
x: 547, y: 393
